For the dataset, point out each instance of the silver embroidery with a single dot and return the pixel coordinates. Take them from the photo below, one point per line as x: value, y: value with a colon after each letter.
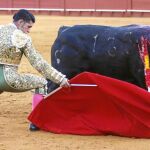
x: 19, y: 39
x: 9, y: 54
x: 22, y: 81
x: 41, y: 65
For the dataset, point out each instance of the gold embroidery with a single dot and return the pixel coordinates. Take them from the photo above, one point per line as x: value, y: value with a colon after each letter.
x: 19, y: 39
x: 22, y: 81
x: 8, y: 53
x: 13, y: 44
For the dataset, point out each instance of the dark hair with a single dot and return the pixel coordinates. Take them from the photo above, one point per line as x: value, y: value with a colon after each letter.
x: 25, y: 15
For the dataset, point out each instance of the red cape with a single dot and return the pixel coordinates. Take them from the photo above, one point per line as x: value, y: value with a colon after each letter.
x: 113, y: 107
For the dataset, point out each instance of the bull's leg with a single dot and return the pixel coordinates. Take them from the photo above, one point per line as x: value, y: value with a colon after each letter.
x: 137, y: 71
x: 51, y: 86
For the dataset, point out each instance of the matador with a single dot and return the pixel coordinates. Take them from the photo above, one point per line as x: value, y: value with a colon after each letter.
x: 14, y: 43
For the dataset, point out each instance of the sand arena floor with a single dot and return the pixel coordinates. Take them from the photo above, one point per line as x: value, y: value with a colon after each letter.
x: 15, y: 107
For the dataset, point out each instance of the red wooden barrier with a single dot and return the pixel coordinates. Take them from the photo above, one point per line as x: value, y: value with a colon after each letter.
x: 80, y: 7
x: 51, y: 3
x: 5, y: 3
x: 141, y: 4
x: 111, y: 4
x: 80, y: 4
x: 25, y: 3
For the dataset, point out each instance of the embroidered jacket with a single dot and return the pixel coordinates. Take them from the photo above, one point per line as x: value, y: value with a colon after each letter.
x: 14, y: 43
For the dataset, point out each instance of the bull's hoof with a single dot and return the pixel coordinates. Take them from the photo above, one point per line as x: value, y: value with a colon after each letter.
x: 33, y: 127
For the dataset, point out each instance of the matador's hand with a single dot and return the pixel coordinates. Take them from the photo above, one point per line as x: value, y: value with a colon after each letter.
x: 65, y: 83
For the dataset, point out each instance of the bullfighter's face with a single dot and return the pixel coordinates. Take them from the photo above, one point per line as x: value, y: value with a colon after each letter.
x: 25, y: 26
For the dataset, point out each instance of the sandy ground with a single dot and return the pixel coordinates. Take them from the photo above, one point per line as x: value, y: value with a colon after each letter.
x: 15, y: 107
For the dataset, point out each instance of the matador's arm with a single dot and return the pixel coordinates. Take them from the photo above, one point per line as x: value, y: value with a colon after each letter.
x: 41, y: 65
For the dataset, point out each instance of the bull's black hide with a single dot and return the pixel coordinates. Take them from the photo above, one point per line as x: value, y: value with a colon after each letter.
x: 109, y: 51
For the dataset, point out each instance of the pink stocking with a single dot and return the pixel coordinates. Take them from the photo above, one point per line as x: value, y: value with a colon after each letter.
x: 36, y: 100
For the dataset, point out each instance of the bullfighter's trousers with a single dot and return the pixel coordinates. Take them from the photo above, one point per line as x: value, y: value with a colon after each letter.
x: 12, y: 81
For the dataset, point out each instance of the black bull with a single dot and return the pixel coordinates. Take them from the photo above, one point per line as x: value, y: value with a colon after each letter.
x: 109, y: 51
